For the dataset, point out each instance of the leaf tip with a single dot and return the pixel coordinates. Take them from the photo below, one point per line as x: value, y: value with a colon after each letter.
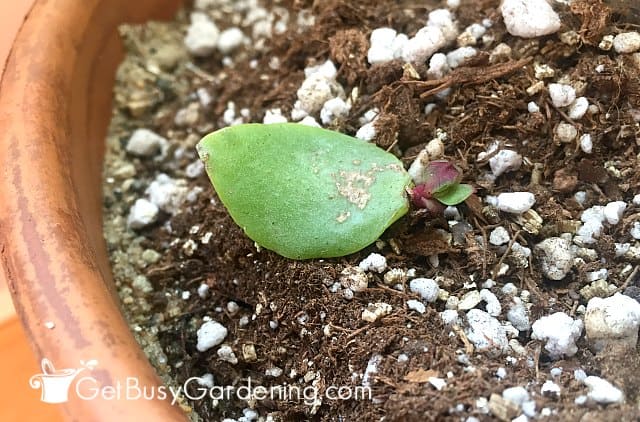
x: 202, y: 152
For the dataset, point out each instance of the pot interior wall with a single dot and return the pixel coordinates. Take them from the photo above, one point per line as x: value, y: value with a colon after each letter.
x: 90, y: 113
x: 55, y: 106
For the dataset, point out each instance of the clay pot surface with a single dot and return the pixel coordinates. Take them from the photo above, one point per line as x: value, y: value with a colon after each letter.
x: 55, y: 104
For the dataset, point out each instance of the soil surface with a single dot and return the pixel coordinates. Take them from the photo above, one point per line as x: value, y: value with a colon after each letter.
x: 294, y: 323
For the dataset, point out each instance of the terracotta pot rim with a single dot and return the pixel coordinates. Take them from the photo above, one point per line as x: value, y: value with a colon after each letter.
x: 54, y: 105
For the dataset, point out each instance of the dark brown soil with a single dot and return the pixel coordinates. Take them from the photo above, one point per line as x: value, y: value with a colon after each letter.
x: 488, y: 101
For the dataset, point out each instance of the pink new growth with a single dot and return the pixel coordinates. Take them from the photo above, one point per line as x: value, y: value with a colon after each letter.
x: 441, y: 175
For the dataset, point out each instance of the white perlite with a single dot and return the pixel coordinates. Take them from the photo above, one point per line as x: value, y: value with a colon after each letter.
x: 437, y: 383
x: 493, y: 306
x: 318, y: 88
x: 509, y: 289
x: 606, y: 43
x: 272, y: 116
x: 486, y: 333
x: 438, y: 66
x: 142, y: 284
x: 596, y: 212
x: 520, y: 254
x: 202, y: 35
x: 613, y: 211
x: 203, y: 290
x: 452, y: 302
x: 354, y: 278
x: 529, y: 18
x: 543, y: 71
x: 578, y: 108
x: 385, y: 45
x: 427, y: 41
x: 210, y: 334
x: 469, y: 300
x: 232, y: 307
x: 560, y: 332
x: 565, y: 132
x: 206, y: 380
x: 225, y: 353
x: 249, y: 415
x: 517, y: 395
x: 371, y: 369
x: 518, y: 315
x: 416, y: 305
x: 471, y: 34
x: 273, y: 372
x: 374, y: 262
x: 561, y: 95
x: 432, y: 151
x: 375, y: 311
x: 602, y: 391
x: 505, y: 161
x: 443, y: 19
x: 230, y: 39
x: 427, y: 288
x: 622, y: 248
x: 492, y: 148
x: 627, y: 42
x: 593, y: 219
x: 600, y: 274
x: 614, y: 320
x: 555, y: 257
x: 458, y: 56
x: 499, y: 236
x: 633, y: 253
x: 515, y: 202
x: 309, y: 121
x: 550, y: 388
x: 451, y: 213
x: 142, y: 213
x: 333, y: 109
x: 635, y: 230
x: 367, y: 132
x: 450, y: 317
x: 145, y: 143
x: 395, y: 276
x: 168, y: 194
x: 326, y: 70
x: 194, y: 170
x: 586, y: 144
x: 439, y: 30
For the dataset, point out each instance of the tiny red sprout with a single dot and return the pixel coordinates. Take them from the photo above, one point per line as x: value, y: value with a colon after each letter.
x: 430, y: 204
x: 441, y: 174
x: 441, y: 187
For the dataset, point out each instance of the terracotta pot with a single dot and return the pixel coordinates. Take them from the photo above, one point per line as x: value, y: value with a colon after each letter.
x: 55, y: 101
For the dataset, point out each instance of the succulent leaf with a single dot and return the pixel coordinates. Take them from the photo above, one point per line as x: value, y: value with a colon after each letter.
x: 305, y: 192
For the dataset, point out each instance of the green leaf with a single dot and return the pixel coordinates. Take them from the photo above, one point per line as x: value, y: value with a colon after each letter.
x: 454, y: 194
x: 305, y: 192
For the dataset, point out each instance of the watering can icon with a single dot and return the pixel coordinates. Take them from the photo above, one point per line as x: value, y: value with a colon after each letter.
x: 55, y: 383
